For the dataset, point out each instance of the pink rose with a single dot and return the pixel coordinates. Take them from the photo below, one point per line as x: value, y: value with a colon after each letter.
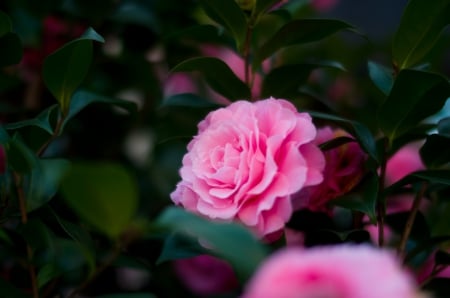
x: 206, y: 275
x: 343, y: 171
x: 246, y: 161
x: 403, y: 162
x: 332, y: 272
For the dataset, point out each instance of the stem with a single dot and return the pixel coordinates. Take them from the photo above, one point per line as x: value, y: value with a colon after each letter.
x: 410, y: 221
x: 24, y: 219
x: 381, y: 204
x: 52, y: 137
x: 436, y: 270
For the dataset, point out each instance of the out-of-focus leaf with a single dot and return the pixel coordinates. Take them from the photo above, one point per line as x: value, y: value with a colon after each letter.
x: 440, y: 177
x: 218, y: 75
x: 444, y: 127
x: 103, y: 194
x: 284, y: 81
x: 358, y: 130
x: 82, y: 98
x: 414, y: 96
x: 65, y: 69
x: 300, y: 31
x: 20, y: 158
x: 263, y: 5
x: 420, y: 26
x: 188, y: 100
x: 38, y: 235
x: 43, y: 181
x: 230, y: 241
x: 442, y: 258
x: 8, y: 290
x: 42, y: 121
x: 381, y: 76
x: 179, y: 247
x: 363, y: 199
x: 132, y: 13
x: 204, y: 33
x: 128, y: 295
x: 230, y: 16
x: 5, y: 23
x: 419, y: 231
x: 10, y: 49
x: 432, y: 152
x: 438, y: 287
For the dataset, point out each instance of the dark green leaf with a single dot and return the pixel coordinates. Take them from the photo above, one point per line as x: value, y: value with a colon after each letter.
x: 20, y: 158
x: 263, y: 5
x: 202, y: 34
x: 133, y: 13
x: 363, y: 198
x: 83, y: 98
x: 299, y: 32
x: 38, y: 235
x: 188, y: 100
x: 10, y: 49
x: 427, y: 246
x: 419, y: 231
x: 360, y: 131
x: 230, y: 241
x: 414, y: 96
x: 420, y: 26
x: 178, y: 246
x: 5, y: 23
x: 432, y: 152
x: 65, y: 69
x: 284, y: 81
x: 42, y: 121
x: 440, y: 177
x: 381, y: 76
x: 103, y: 194
x: 229, y: 15
x: 218, y: 75
x: 444, y: 127
x: 43, y: 181
x: 8, y: 290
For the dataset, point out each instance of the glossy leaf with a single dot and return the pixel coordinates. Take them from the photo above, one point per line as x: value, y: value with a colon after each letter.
x: 82, y: 98
x: 381, y: 76
x: 230, y: 16
x: 420, y: 26
x: 362, y: 199
x: 358, y: 130
x: 299, y: 32
x: 284, y: 81
x: 414, y: 96
x: 188, y: 100
x: 10, y: 49
x: 41, y: 121
x: 43, y: 181
x: 5, y: 23
x: 65, y: 69
x: 432, y: 152
x: 102, y: 194
x: 179, y: 247
x: 218, y: 75
x: 230, y: 241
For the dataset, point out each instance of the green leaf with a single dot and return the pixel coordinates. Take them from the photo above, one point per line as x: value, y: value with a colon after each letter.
x: 440, y: 177
x: 363, y: 198
x: 8, y: 290
x: 230, y: 241
x: 414, y: 96
x: 381, y: 76
x: 133, y: 13
x: 38, y: 235
x: 204, y: 33
x: 431, y: 152
x: 41, y: 121
x: 188, y: 100
x: 177, y: 246
x: 5, y: 23
x: 358, y: 130
x: 83, y: 98
x: 284, y: 81
x: 43, y: 181
x: 103, y: 194
x: 218, y: 75
x: 65, y: 69
x: 263, y: 5
x: 420, y: 26
x: 444, y: 127
x: 228, y: 14
x: 299, y: 31
x: 10, y: 49
x: 20, y: 158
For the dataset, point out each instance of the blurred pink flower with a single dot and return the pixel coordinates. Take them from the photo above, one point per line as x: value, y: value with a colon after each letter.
x: 246, y: 161
x: 343, y: 170
x: 206, y: 275
x: 2, y: 160
x: 333, y: 272
x: 323, y: 5
x: 405, y: 161
x: 179, y: 83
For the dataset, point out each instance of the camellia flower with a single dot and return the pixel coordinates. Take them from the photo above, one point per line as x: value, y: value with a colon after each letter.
x: 206, y: 275
x: 246, y: 161
x: 346, y: 271
x: 343, y: 171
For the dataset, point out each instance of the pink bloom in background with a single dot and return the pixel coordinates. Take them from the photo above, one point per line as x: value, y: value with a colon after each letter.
x: 405, y: 161
x: 245, y: 163
x: 2, y: 160
x: 206, y: 275
x: 343, y: 171
x: 323, y: 5
x: 334, y: 272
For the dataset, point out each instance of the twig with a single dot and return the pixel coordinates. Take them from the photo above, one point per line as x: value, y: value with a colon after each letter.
x: 410, y: 220
x: 436, y: 270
